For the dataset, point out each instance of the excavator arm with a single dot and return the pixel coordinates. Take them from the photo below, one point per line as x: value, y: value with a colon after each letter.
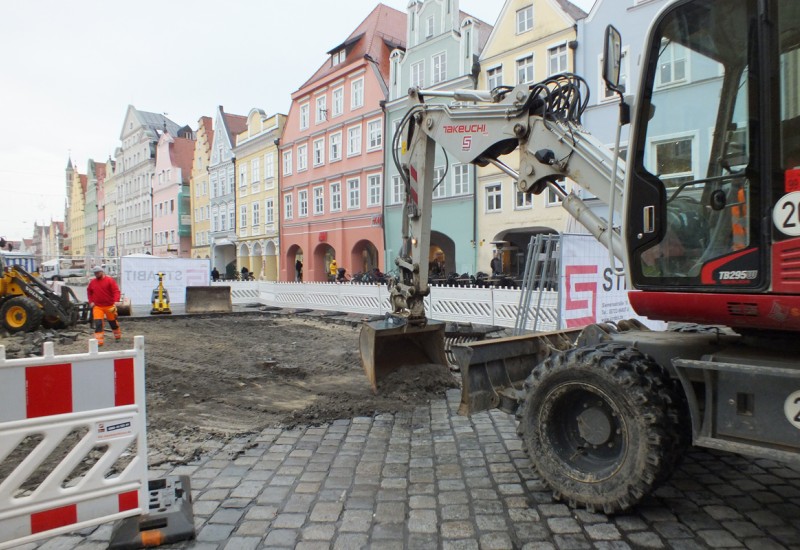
x: 541, y: 122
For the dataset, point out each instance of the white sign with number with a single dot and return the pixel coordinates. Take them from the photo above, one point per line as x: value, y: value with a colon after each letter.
x: 791, y: 408
x: 786, y: 214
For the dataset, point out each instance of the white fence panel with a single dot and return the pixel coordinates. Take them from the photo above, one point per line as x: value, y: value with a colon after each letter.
x: 79, y: 406
x: 461, y: 304
x: 243, y: 292
x: 361, y: 298
x: 506, y: 306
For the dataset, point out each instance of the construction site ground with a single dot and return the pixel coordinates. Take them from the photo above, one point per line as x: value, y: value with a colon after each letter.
x: 286, y: 446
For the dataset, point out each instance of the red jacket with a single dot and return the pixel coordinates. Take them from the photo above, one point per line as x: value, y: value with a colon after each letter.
x: 103, y: 292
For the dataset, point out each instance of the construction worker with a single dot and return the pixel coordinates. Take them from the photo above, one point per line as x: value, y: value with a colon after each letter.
x: 103, y: 293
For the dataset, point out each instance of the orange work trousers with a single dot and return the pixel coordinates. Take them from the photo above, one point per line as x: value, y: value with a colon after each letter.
x: 110, y: 313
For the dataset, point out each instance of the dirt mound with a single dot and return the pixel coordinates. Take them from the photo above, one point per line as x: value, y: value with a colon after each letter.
x: 212, y: 378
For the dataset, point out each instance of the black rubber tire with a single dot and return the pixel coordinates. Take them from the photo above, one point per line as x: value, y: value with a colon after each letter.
x: 21, y: 314
x: 635, y: 440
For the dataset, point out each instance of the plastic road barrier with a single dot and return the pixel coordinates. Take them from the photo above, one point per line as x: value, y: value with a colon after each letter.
x: 55, y: 412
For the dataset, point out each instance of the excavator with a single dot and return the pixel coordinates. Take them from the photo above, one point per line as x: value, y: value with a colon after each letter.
x: 703, y: 215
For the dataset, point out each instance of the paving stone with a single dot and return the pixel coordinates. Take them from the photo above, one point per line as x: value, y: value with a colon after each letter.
x: 390, y: 512
x: 602, y: 531
x: 422, y: 521
x: 717, y: 538
x: 645, y: 540
x: 468, y: 544
x: 319, y: 531
x: 214, y: 532
x: 231, y: 516
x: 350, y: 541
x: 562, y: 525
x: 288, y: 521
x: 496, y: 541
x: 281, y: 537
x: 242, y: 543
x: 357, y: 521
x: 457, y: 529
x: 327, y: 511
x: 491, y: 523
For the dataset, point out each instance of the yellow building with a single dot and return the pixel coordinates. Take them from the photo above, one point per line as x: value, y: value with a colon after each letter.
x: 75, y: 245
x: 256, y: 156
x: 201, y: 223
x: 531, y: 41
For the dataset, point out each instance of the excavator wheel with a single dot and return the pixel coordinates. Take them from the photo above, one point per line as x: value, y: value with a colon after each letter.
x: 599, y: 426
x: 21, y: 314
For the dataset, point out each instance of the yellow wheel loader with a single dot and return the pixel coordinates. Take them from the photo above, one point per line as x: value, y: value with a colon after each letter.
x: 26, y: 303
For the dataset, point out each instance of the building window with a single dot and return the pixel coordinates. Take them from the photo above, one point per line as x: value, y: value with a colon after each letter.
x: 338, y: 57
x: 354, y: 141
x: 215, y: 219
x: 288, y: 207
x: 243, y: 176
x: 673, y: 160
x: 353, y: 193
x: 256, y: 214
x: 243, y: 216
x: 287, y: 163
x: 525, y: 70
x: 552, y: 198
x: 440, y: 189
x: 230, y: 180
x: 374, y: 134
x: 418, y: 74
x: 374, y: 190
x: 336, y: 197
x: 319, y: 200
x: 439, y: 71
x: 525, y: 19
x: 495, y: 77
x: 337, y: 101
x: 461, y: 185
x: 322, y: 109
x: 524, y: 200
x: 302, y: 203
x: 336, y: 146
x: 269, y: 166
x: 255, y: 168
x: 494, y: 198
x: 429, y: 24
x: 357, y: 94
x: 398, y: 190
x: 319, y: 151
x: 302, y: 157
x: 304, y: 116
x: 671, y: 64
x: 269, y: 211
x: 557, y: 59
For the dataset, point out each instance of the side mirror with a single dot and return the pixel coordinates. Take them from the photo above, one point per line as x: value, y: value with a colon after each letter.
x: 612, y: 58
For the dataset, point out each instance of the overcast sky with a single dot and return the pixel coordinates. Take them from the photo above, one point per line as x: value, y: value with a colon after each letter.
x: 68, y: 71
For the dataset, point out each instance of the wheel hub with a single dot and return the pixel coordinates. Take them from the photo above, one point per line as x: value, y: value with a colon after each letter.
x: 594, y: 426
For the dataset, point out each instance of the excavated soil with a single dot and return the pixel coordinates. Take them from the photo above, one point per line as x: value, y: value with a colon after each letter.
x: 210, y: 379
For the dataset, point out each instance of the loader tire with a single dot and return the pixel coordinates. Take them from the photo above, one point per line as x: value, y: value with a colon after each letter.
x: 21, y: 314
x: 598, y: 425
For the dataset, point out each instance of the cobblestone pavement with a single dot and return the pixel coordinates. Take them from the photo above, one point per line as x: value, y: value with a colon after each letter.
x: 433, y: 479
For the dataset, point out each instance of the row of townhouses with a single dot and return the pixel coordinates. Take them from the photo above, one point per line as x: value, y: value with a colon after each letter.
x: 266, y: 189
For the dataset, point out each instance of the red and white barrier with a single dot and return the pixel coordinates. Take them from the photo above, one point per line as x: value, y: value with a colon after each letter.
x: 44, y: 400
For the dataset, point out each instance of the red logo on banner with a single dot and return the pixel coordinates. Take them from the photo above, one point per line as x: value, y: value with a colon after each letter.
x: 323, y: 236
x: 574, y: 303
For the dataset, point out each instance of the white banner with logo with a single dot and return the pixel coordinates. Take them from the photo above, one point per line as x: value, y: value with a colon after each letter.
x: 139, y: 276
x: 591, y: 291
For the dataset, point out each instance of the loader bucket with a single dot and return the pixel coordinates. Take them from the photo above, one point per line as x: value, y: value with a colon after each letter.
x: 493, y: 372
x: 391, y: 343
x: 208, y: 299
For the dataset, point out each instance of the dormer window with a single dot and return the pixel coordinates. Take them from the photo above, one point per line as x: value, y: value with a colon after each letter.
x: 429, y: 27
x: 338, y: 57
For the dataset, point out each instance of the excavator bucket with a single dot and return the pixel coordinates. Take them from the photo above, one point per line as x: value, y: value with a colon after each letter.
x: 493, y: 372
x: 392, y: 343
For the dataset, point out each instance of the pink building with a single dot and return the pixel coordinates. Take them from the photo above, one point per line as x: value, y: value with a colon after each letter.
x: 172, y: 230
x: 331, y: 153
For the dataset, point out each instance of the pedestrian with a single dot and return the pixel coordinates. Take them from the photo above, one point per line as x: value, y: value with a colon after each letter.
x: 496, y: 265
x: 215, y: 274
x: 332, y: 270
x: 298, y: 271
x: 103, y: 294
x: 245, y: 273
x: 340, y: 275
